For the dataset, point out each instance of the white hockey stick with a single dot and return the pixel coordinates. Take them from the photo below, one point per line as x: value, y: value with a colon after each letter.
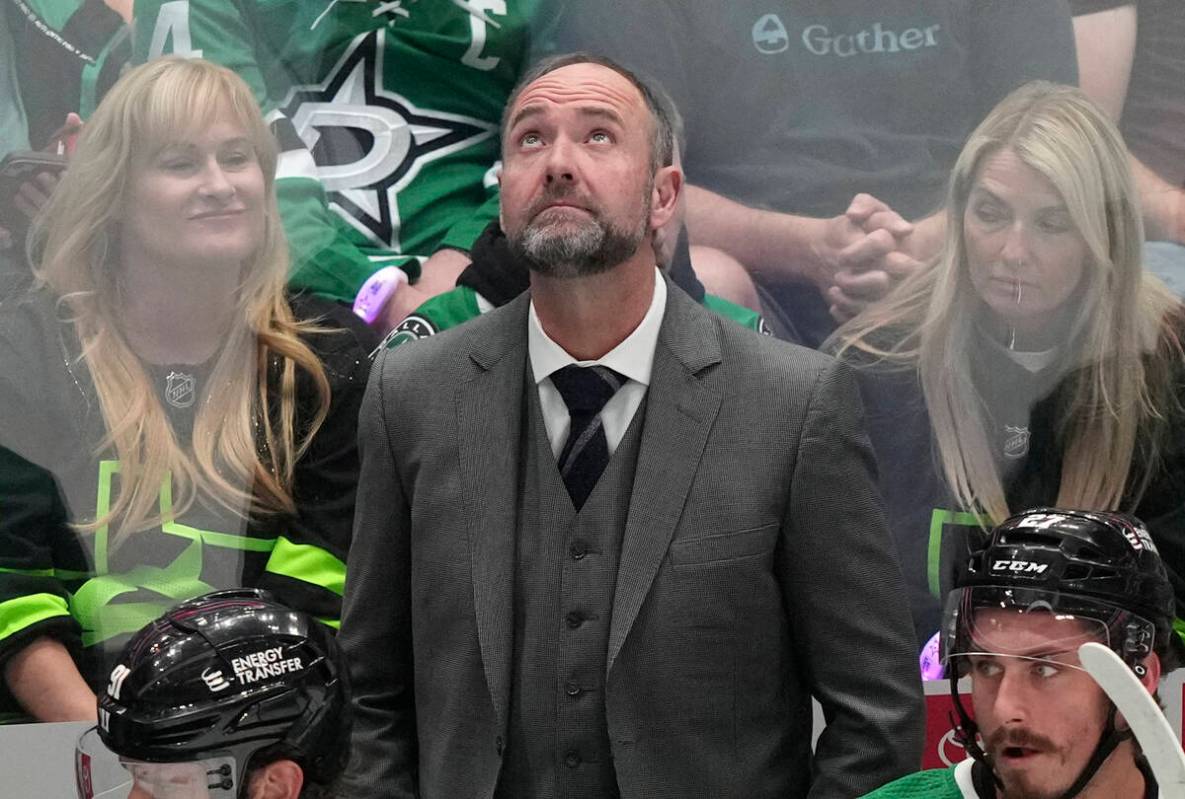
x: 1148, y: 724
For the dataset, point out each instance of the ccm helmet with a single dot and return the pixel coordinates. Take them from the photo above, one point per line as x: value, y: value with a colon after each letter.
x: 1099, y: 568
x: 218, y: 685
x: 1087, y: 576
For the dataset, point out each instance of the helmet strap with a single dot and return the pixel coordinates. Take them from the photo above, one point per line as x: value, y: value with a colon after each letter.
x: 1110, y: 739
x: 966, y: 731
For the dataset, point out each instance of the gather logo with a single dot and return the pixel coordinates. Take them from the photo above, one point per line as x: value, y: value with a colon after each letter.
x: 770, y: 36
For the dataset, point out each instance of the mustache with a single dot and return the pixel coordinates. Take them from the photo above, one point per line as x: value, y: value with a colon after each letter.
x: 1022, y: 737
x: 556, y: 192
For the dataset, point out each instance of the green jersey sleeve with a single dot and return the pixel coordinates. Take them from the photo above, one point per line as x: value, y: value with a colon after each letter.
x: 743, y: 316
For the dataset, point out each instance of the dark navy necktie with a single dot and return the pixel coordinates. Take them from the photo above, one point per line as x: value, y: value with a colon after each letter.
x: 585, y: 390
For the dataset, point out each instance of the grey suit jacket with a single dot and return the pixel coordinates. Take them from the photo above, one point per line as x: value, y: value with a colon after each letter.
x: 756, y: 570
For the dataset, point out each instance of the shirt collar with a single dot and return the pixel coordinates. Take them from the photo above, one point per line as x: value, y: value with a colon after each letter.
x: 633, y: 357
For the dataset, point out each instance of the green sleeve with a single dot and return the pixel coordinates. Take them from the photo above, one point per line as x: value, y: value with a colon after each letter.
x: 932, y: 784
x: 439, y: 313
x: 743, y: 316
x: 466, y: 230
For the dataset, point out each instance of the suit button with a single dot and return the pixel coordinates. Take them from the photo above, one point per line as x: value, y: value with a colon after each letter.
x: 578, y: 550
x: 572, y: 689
x: 572, y: 758
x: 574, y: 620
x: 498, y: 745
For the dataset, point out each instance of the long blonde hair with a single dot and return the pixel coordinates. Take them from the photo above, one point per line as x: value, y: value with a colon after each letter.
x: 928, y: 322
x: 245, y: 433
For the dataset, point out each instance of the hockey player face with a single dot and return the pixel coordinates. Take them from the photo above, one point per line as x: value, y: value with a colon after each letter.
x: 196, y: 202
x: 576, y: 177
x: 1039, y: 713
x: 1024, y: 253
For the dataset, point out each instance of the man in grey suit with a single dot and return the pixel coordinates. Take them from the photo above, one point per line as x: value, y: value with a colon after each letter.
x: 608, y: 544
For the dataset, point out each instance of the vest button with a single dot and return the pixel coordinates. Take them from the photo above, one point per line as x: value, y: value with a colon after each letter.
x: 574, y: 620
x: 572, y: 758
x: 572, y: 689
x: 578, y: 550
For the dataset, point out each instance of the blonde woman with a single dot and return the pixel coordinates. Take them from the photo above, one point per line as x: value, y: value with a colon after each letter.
x: 1034, y: 362
x: 169, y: 422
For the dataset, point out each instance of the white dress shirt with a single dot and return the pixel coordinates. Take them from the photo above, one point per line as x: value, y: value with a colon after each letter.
x: 633, y: 358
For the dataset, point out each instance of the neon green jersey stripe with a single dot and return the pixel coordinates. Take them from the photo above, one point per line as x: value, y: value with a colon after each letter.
x: 61, y: 574
x: 939, y: 518
x: 309, y: 564
x: 25, y: 611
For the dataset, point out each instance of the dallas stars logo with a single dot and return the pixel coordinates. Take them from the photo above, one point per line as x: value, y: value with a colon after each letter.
x: 368, y: 142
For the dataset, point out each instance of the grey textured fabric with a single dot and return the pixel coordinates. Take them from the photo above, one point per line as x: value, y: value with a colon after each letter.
x: 558, y: 741
x: 756, y: 570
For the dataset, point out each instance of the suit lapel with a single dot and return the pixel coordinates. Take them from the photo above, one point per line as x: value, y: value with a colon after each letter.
x: 682, y: 403
x: 489, y: 422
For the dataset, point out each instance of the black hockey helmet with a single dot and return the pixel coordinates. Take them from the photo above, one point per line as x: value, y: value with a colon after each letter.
x: 1088, y: 565
x: 1087, y: 576
x: 218, y: 685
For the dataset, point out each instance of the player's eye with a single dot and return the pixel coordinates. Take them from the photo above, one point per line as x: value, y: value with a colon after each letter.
x: 600, y: 137
x: 530, y: 140
x: 985, y: 667
x: 1046, y: 670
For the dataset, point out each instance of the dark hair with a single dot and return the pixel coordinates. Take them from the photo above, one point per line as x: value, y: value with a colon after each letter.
x: 665, y: 120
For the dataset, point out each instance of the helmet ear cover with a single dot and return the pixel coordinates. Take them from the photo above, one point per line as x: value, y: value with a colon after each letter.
x: 231, y: 672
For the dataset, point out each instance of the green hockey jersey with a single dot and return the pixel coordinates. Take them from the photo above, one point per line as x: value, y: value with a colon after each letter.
x: 951, y: 783
x: 387, y: 116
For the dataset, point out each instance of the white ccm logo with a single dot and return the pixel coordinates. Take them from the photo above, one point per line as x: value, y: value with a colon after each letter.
x: 819, y: 40
x: 1020, y: 566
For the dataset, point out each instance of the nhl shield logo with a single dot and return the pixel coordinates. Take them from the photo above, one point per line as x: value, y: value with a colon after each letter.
x: 180, y: 389
x: 1016, y: 441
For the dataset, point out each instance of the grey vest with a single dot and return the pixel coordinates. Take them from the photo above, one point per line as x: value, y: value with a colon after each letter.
x: 565, y: 573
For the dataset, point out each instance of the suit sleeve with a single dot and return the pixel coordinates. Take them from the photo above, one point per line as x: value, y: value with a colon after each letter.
x: 324, y: 260
x: 847, y: 601
x: 376, y: 621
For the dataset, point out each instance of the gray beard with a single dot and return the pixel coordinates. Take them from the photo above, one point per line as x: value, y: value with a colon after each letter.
x: 567, y: 251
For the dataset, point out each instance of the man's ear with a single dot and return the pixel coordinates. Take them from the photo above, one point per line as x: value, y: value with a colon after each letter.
x: 664, y: 197
x: 280, y: 779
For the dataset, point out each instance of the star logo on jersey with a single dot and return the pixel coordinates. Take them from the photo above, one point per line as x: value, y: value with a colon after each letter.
x: 370, y: 142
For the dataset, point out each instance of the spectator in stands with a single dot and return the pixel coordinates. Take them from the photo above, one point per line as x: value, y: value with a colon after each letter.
x: 1033, y: 361
x: 820, y: 135
x: 1045, y: 728
x: 388, y: 116
x: 171, y: 421
x: 1131, y: 58
x: 227, y: 696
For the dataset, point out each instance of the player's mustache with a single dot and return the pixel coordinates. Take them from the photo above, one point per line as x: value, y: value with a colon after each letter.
x: 1020, y: 737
